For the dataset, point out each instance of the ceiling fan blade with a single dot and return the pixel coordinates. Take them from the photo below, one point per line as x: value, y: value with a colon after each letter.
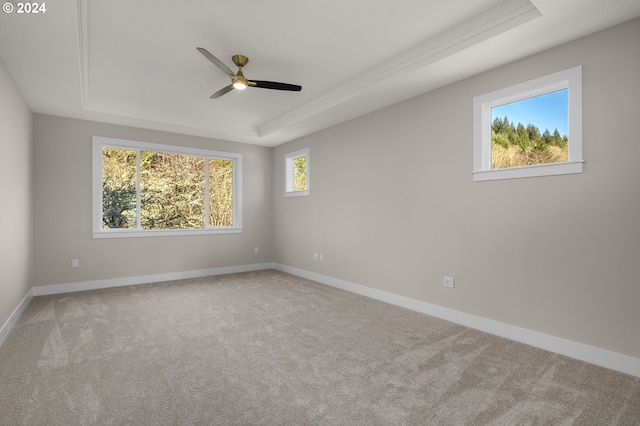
x: 222, y: 91
x: 225, y: 69
x: 274, y: 85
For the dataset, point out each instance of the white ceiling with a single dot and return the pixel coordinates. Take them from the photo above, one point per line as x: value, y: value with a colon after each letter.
x: 135, y: 62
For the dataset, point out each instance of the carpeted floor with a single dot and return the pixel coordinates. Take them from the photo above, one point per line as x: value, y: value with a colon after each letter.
x: 268, y: 348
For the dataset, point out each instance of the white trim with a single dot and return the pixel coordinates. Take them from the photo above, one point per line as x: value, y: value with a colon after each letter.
x: 537, y: 170
x: 146, y: 279
x: 133, y: 145
x: 506, y: 16
x: 289, y: 173
x: 132, y: 112
x: 99, y: 142
x: 15, y: 315
x: 590, y: 354
x: 132, y: 233
x: 568, y: 79
x: 297, y: 193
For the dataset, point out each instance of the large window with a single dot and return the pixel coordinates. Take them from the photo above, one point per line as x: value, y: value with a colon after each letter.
x: 530, y: 129
x: 143, y: 189
x: 297, y: 173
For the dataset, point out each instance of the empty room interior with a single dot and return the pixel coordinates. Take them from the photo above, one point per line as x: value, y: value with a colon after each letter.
x: 374, y: 234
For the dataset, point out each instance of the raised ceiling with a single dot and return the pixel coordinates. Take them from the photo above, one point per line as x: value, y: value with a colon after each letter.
x: 135, y: 62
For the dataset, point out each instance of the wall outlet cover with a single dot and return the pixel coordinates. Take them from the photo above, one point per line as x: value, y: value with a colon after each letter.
x: 449, y: 282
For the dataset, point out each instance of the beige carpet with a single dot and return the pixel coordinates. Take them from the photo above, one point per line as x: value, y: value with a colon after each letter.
x: 268, y: 348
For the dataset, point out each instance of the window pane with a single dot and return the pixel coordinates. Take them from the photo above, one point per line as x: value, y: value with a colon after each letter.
x: 118, y: 188
x: 221, y: 192
x: 300, y: 173
x: 530, y: 131
x: 171, y: 190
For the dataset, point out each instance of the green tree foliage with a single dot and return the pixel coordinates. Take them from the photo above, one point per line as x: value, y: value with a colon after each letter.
x: 300, y: 173
x: 534, y: 133
x: 221, y: 192
x: 172, y: 190
x: 118, y: 188
x: 515, y: 146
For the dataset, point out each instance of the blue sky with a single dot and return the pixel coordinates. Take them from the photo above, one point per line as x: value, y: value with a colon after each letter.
x: 547, y: 111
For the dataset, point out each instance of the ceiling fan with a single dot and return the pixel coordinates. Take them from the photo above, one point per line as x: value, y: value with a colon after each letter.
x: 239, y: 81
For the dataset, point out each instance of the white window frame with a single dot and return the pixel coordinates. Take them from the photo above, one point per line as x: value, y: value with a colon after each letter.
x: 570, y: 79
x: 289, y: 173
x: 100, y: 142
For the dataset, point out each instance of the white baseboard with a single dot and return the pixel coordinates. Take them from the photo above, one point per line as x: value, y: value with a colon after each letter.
x: 13, y: 318
x: 119, y: 282
x: 590, y: 354
x: 145, y: 279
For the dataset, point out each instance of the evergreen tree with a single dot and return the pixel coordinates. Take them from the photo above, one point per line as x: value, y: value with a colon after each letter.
x: 500, y: 139
x: 534, y: 133
x: 557, y: 139
x: 522, y: 136
x: 514, y: 146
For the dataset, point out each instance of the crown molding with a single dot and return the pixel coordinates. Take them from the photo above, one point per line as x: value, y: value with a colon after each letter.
x: 83, y: 49
x: 505, y: 17
x: 108, y: 107
x: 112, y: 108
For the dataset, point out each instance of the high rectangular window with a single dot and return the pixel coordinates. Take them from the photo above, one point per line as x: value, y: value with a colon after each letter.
x: 529, y: 129
x: 297, y: 173
x: 143, y: 189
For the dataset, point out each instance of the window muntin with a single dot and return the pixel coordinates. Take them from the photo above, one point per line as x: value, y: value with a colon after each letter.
x: 544, y: 156
x: 143, y: 189
x: 297, y: 174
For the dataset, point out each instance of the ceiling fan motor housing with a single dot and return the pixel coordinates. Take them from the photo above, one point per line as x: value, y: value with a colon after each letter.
x: 240, y: 60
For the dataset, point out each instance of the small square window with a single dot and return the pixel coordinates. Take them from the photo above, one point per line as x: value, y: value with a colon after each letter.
x: 297, y: 177
x: 530, y: 129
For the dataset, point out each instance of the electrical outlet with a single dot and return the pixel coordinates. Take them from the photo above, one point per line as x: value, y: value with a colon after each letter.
x: 320, y: 257
x: 74, y: 263
x: 255, y: 250
x: 315, y: 256
x: 449, y: 282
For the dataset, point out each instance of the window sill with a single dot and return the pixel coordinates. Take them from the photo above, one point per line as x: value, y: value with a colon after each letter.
x: 112, y: 233
x: 551, y: 169
x: 297, y: 193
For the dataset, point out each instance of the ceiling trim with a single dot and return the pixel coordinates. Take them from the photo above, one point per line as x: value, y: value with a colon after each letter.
x: 83, y: 50
x: 108, y: 107
x: 508, y: 15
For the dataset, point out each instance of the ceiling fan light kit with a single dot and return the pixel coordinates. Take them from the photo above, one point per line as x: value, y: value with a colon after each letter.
x: 238, y: 80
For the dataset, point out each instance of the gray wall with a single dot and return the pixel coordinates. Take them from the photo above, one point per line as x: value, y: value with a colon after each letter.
x: 62, y: 222
x: 393, y: 205
x: 16, y: 214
